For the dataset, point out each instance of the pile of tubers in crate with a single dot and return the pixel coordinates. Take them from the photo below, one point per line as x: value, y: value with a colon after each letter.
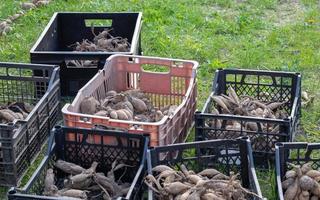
x: 209, y: 184
x: 103, y: 42
x: 133, y: 105
x: 301, y: 183
x: 246, y: 106
x: 85, y: 183
x: 14, y: 111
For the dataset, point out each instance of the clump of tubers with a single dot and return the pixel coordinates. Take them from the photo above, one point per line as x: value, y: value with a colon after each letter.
x: 301, y: 182
x: 168, y: 183
x: 245, y: 106
x: 103, y: 42
x: 14, y: 111
x: 85, y: 183
x: 127, y: 105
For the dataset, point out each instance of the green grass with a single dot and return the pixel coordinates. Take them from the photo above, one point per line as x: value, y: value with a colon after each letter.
x: 255, y: 34
x: 9, y: 7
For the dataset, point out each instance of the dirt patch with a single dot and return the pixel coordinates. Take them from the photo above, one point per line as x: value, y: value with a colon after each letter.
x: 221, y: 11
x: 286, y: 12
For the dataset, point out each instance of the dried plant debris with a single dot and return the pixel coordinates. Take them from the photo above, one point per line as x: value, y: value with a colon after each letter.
x: 34, y: 3
x: 168, y: 183
x: 246, y: 106
x: 6, y: 25
x: 85, y: 183
x: 301, y: 182
x: 14, y: 111
x: 103, y: 42
x: 306, y: 99
x: 133, y: 105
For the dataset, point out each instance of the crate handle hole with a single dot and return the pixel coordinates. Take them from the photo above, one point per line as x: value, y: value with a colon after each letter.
x: 98, y: 22
x: 177, y: 64
x: 155, y: 68
x: 84, y: 119
x: 19, y: 72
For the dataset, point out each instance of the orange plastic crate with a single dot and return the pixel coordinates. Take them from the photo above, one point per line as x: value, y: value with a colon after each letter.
x: 175, y: 86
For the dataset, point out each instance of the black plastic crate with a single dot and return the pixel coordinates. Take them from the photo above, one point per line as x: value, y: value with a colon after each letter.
x: 296, y: 153
x: 75, y: 145
x: 280, y: 86
x: 22, y: 140
x: 64, y: 29
x: 224, y: 155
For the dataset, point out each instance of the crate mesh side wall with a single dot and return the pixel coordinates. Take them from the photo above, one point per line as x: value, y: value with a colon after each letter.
x: 123, y: 149
x: 128, y: 150
x: 262, y: 87
x: 263, y: 140
x: 22, y: 143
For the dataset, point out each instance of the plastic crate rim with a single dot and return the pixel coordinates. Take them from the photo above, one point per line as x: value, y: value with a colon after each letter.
x: 26, y: 65
x: 258, y: 71
x: 193, y: 62
x: 207, y: 142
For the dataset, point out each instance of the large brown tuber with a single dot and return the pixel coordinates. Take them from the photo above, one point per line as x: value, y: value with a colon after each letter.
x: 89, y: 105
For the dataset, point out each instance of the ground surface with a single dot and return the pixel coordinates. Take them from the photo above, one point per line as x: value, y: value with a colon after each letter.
x: 257, y: 34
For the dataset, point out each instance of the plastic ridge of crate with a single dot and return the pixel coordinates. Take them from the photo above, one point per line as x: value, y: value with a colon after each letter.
x: 229, y: 154
x: 52, y: 47
x: 170, y: 129
x: 296, y: 153
x: 22, y: 140
x: 60, y: 149
x: 239, y: 81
